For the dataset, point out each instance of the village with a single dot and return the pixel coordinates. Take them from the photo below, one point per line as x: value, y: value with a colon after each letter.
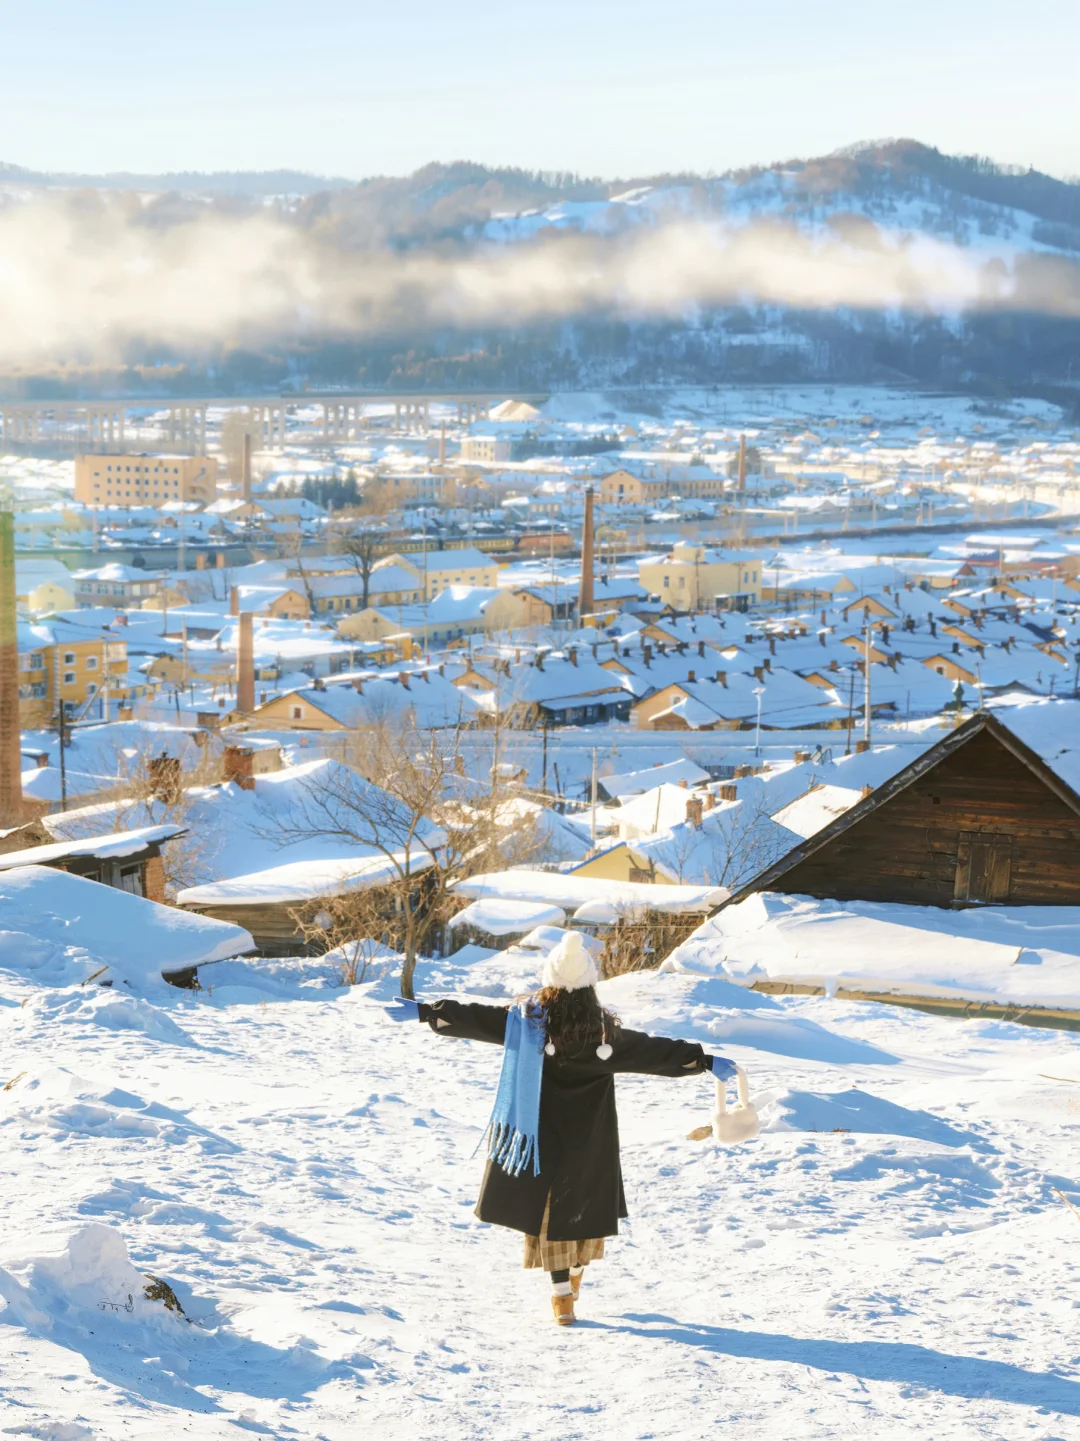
x: 771, y: 697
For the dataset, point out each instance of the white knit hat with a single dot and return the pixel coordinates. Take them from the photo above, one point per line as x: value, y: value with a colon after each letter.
x: 570, y: 966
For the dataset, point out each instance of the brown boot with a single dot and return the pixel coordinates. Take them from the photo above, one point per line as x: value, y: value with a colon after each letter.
x: 563, y: 1307
x: 575, y: 1283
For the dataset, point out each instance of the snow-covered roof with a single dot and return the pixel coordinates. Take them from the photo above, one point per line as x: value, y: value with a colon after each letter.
x: 506, y: 918
x: 59, y: 928
x: 635, y: 783
x: 109, y: 847
x: 571, y: 891
x: 1024, y: 954
x: 304, y: 880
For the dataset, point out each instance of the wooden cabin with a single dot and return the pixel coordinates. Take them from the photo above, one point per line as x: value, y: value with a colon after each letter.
x: 977, y: 819
x: 128, y: 860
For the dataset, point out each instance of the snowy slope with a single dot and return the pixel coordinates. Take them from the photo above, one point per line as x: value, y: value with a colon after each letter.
x: 887, y: 1259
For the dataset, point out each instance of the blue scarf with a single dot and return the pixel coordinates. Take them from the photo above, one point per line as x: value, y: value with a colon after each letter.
x: 513, y: 1130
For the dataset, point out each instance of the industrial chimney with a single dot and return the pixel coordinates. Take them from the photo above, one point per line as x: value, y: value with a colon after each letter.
x: 245, y: 667
x: 585, y: 597
x: 245, y: 467
x: 11, y: 797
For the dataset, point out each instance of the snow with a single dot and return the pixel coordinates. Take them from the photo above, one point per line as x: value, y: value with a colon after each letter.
x: 888, y: 1258
x: 303, y: 880
x: 571, y: 891
x: 1019, y: 955
x: 59, y: 929
x: 110, y: 847
x: 507, y: 918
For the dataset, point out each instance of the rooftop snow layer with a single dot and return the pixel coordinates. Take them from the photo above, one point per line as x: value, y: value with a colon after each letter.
x: 1025, y: 955
x: 59, y: 929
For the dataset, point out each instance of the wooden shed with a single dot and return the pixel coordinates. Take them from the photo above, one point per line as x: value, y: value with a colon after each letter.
x: 127, y: 860
x: 979, y: 818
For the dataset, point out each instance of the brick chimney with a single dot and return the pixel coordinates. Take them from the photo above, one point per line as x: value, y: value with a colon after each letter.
x: 646, y: 654
x: 585, y: 594
x: 701, y: 647
x: 572, y: 654
x: 11, y: 796
x: 694, y: 809
x: 245, y: 666
x: 245, y: 467
x: 728, y: 792
x: 861, y: 746
x: 709, y: 801
x: 721, y: 676
x: 238, y: 764
x: 234, y: 600
x: 690, y: 677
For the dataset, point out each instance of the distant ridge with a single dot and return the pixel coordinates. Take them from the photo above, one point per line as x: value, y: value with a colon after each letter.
x: 220, y: 182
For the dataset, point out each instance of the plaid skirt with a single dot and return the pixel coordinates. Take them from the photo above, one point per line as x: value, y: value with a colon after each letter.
x: 540, y: 1253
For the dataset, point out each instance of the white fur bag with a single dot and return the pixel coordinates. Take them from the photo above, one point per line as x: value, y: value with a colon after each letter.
x: 741, y: 1122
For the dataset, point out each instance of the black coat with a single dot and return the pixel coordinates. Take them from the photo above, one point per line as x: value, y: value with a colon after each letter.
x: 579, y: 1130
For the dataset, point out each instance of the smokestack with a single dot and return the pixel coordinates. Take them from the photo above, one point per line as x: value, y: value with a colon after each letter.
x: 245, y: 466
x: 11, y: 796
x: 585, y: 598
x: 742, y: 464
x: 245, y: 667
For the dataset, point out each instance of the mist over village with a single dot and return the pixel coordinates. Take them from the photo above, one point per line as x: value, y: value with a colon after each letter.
x: 490, y: 553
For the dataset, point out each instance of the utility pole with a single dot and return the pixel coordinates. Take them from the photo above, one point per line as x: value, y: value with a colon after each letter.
x: 592, y: 828
x: 850, y: 712
x: 63, y: 760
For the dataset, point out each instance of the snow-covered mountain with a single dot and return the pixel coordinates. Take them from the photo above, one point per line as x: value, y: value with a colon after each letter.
x: 889, y: 262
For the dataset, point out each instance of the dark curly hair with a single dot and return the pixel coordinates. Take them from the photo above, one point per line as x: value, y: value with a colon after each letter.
x: 576, y: 1021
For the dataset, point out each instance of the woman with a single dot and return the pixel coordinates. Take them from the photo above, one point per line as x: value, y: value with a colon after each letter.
x: 553, y: 1140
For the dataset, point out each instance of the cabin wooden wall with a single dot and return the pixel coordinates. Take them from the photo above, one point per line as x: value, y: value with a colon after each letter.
x: 978, y: 826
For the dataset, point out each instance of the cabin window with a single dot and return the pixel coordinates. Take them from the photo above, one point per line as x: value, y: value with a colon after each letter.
x: 983, y: 867
x: 298, y: 712
x: 131, y: 880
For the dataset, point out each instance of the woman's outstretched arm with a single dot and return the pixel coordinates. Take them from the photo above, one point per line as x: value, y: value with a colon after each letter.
x: 637, y: 1053
x: 465, y: 1020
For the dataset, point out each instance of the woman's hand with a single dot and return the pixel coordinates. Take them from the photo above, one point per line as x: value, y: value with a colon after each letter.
x: 720, y: 1066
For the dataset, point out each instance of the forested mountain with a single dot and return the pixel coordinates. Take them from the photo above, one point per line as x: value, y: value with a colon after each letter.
x: 889, y: 260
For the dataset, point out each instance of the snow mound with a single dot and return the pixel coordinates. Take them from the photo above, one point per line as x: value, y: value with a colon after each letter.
x: 715, y: 1012
x: 58, y: 929
x: 51, y: 1431
x: 59, y: 1102
x: 114, y: 1010
x: 90, y: 1273
x: 858, y: 1111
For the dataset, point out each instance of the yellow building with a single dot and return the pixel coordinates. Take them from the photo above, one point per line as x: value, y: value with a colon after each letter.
x: 692, y: 577
x: 61, y: 664
x: 145, y: 479
x: 441, y: 568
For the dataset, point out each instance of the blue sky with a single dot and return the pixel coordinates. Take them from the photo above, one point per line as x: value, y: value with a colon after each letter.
x: 603, y: 88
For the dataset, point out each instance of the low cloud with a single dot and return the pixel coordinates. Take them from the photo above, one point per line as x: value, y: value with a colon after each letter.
x: 88, y: 282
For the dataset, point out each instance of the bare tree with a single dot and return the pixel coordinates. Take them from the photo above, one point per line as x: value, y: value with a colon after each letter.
x: 406, y: 794
x: 362, y: 548
x: 152, y: 789
x: 354, y: 923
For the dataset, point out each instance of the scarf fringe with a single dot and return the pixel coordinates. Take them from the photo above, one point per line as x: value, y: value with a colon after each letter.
x: 511, y: 1150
